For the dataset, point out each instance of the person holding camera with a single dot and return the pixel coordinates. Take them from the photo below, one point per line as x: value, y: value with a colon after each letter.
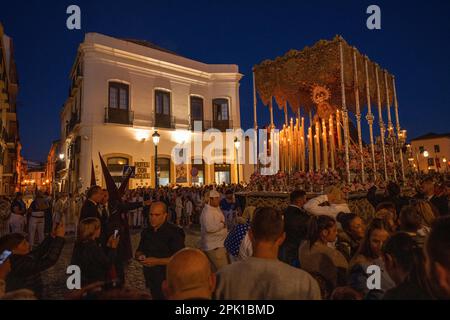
x: 94, y: 262
x: 27, y: 265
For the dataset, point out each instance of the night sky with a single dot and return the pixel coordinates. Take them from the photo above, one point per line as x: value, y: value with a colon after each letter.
x: 413, y: 44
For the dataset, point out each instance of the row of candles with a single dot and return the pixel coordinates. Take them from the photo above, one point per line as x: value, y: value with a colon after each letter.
x: 321, y: 146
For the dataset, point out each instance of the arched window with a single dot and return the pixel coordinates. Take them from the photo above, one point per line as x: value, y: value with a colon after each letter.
x: 118, y: 95
x: 163, y: 171
x: 162, y: 109
x: 221, y: 116
x: 196, y: 110
x: 220, y: 109
x: 118, y: 104
x: 115, y: 166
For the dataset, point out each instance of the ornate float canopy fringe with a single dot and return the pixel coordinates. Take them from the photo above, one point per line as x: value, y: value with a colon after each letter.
x: 291, y: 77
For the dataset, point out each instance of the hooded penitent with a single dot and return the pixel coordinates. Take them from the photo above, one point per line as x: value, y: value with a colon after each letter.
x: 93, y: 180
x: 118, y: 219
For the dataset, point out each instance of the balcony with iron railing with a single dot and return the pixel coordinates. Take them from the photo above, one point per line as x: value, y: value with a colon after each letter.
x: 128, y: 117
x: 199, y: 124
x: 60, y: 165
x: 119, y: 116
x: 4, y: 134
x: 72, y: 122
x: 168, y: 121
x: 11, y: 138
x: 221, y: 125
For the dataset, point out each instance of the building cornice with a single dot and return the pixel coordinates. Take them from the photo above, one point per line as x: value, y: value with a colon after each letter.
x: 151, y: 63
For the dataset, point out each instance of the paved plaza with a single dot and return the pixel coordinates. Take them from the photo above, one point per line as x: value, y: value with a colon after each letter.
x: 55, y: 277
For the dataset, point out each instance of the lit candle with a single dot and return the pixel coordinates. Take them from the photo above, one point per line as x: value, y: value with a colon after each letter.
x: 291, y: 145
x: 338, y: 129
x: 332, y: 143
x: 317, y: 139
x: 297, y: 145
x: 325, y: 145
x: 303, y: 150
x: 283, y: 145
x: 310, y: 149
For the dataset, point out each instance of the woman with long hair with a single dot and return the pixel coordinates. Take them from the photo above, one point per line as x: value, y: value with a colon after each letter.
x: 370, y: 254
x: 405, y: 264
x: 411, y: 222
x: 318, y: 258
x: 427, y: 213
x: 93, y: 260
x: 349, y: 238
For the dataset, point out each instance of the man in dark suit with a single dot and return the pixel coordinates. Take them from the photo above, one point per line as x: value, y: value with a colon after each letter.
x: 296, y: 221
x: 440, y: 203
x: 159, y: 242
x: 90, y: 207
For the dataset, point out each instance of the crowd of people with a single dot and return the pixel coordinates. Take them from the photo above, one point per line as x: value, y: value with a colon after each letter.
x: 314, y: 249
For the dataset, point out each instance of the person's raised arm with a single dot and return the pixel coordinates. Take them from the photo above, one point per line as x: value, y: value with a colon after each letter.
x: 313, y: 206
x: 46, y: 256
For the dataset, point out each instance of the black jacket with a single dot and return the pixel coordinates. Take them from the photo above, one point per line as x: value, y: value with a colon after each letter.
x: 296, y: 227
x: 94, y: 263
x: 376, y: 199
x: 26, y: 269
x: 89, y: 210
x: 163, y: 243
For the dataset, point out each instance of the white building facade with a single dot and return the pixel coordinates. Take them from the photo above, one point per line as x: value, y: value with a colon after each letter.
x: 431, y: 153
x: 122, y: 92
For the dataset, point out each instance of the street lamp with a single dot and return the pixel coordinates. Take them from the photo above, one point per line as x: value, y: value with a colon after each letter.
x: 155, y: 137
x: 61, y: 156
x: 426, y: 154
x: 446, y: 164
x: 237, y: 145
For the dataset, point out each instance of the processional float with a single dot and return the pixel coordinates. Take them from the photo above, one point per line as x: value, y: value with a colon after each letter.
x: 328, y: 84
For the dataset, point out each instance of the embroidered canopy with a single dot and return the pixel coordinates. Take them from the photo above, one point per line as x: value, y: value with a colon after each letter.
x: 290, y: 78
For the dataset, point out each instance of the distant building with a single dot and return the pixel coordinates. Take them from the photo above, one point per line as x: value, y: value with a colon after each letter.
x: 431, y: 152
x: 122, y: 92
x: 10, y: 147
x: 54, y: 164
x: 35, y: 178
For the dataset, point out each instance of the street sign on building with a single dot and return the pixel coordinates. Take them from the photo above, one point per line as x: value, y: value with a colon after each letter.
x: 126, y: 168
x: 142, y: 170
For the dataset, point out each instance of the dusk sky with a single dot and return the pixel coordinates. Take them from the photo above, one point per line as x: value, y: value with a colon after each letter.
x: 413, y: 44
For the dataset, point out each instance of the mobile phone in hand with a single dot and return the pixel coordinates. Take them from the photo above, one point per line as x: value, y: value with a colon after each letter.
x: 116, y: 233
x: 5, y: 255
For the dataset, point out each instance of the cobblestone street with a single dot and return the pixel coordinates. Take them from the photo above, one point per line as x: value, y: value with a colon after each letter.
x: 55, y: 278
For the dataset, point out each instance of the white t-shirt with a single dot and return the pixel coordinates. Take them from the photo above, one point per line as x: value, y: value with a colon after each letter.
x: 213, y: 228
x: 265, y: 279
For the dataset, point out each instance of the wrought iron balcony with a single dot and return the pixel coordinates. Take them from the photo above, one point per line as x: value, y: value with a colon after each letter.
x: 119, y: 116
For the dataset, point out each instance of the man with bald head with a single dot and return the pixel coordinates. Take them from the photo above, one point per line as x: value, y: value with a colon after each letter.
x: 189, y: 276
x: 159, y: 242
